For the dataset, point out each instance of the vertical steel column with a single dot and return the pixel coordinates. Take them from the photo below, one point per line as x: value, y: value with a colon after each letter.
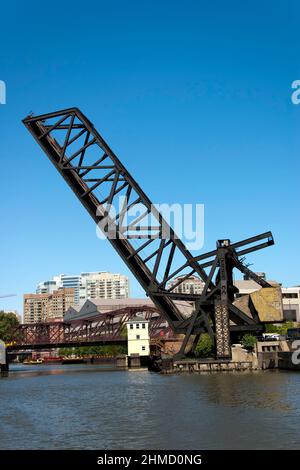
x: 223, y: 347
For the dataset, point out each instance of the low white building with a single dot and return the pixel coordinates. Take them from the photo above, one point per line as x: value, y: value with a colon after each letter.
x: 291, y: 303
x: 138, y: 337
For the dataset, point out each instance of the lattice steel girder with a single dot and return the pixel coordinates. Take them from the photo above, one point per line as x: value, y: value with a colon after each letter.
x: 102, y: 328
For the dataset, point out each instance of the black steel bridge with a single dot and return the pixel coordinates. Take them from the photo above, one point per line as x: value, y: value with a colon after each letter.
x: 152, y: 251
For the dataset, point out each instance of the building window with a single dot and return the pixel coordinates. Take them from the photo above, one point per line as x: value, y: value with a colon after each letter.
x: 137, y: 325
x: 292, y: 295
x: 131, y: 327
x: 290, y: 315
x: 143, y: 325
x: 143, y: 348
x: 137, y: 336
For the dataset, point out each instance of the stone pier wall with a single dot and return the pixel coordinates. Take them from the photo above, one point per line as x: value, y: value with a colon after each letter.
x: 285, y: 361
x: 197, y: 366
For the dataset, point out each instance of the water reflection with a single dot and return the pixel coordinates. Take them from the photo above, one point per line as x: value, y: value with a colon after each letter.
x: 19, y: 371
x: 250, y: 389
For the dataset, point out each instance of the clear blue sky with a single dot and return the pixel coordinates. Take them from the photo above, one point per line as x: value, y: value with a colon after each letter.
x: 193, y: 96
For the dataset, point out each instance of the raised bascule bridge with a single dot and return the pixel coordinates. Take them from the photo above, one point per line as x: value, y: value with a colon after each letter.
x: 152, y: 251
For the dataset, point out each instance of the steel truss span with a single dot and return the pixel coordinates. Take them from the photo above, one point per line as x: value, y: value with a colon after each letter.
x: 103, y: 328
x: 152, y: 251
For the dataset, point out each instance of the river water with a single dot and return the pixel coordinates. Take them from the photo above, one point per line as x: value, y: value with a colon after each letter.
x: 96, y: 407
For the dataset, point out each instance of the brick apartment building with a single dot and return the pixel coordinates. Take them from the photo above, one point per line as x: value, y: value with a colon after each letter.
x: 49, y: 306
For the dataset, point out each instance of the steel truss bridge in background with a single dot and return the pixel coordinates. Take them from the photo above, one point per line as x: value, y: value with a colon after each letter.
x: 101, y: 329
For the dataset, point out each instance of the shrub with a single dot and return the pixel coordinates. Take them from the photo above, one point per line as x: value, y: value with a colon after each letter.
x: 248, y: 341
x: 204, y: 346
x: 281, y: 329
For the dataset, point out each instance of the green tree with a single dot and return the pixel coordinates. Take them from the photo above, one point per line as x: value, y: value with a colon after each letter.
x: 8, y: 324
x: 248, y: 341
x: 66, y: 351
x: 281, y: 329
x: 94, y: 350
x: 204, y: 346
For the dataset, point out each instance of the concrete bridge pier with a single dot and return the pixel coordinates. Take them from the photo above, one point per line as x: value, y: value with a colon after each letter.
x: 122, y: 361
x: 134, y: 361
x: 4, y: 368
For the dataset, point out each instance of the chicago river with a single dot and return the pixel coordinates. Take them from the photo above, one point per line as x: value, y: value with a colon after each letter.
x: 96, y: 406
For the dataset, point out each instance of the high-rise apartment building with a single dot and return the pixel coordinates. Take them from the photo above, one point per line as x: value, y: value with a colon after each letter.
x: 69, y: 281
x: 103, y: 285
x: 47, y: 306
x: 89, y: 285
x: 46, y: 287
x: 61, y: 281
x: 191, y: 285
